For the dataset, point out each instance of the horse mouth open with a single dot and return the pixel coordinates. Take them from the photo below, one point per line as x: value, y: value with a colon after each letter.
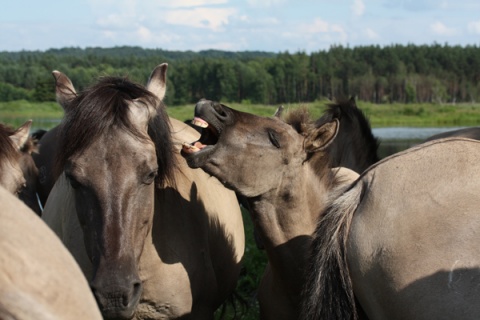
x: 196, y: 152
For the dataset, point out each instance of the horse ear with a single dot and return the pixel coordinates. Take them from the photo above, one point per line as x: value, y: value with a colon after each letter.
x: 320, y: 138
x: 279, y: 112
x: 64, y: 90
x: 157, y: 83
x: 20, y: 136
x: 352, y: 102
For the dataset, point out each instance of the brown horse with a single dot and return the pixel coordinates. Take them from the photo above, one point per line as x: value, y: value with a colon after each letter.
x: 11, y: 158
x: 402, y: 241
x: 39, y: 279
x: 156, y: 239
x: 268, y: 161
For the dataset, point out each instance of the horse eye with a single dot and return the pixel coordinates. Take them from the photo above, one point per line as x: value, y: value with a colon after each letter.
x: 151, y: 177
x: 273, y: 136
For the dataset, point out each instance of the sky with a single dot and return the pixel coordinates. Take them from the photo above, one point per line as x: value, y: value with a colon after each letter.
x: 235, y: 25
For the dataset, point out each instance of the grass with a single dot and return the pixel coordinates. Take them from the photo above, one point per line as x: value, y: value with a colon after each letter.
x: 380, y: 115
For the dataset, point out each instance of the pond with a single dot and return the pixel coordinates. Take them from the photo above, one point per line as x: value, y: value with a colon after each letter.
x: 395, y: 139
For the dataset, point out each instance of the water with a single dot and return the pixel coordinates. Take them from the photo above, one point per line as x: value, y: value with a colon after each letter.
x: 395, y: 139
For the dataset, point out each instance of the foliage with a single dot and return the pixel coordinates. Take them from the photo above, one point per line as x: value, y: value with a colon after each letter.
x: 390, y: 74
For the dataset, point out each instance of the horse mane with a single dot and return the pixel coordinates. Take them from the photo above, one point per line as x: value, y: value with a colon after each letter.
x: 7, y: 148
x: 105, y: 104
x: 355, y: 147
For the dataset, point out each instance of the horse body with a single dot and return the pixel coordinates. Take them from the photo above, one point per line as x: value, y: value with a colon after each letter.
x: 266, y: 161
x: 39, y: 279
x: 152, y: 247
x: 405, y: 239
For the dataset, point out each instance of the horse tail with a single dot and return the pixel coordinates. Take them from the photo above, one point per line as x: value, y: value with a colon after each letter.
x: 328, y: 292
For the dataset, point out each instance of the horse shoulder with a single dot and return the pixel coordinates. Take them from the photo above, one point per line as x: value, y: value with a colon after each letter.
x: 38, y: 275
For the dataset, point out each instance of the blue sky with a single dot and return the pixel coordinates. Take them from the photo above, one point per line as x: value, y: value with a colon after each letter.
x: 234, y: 25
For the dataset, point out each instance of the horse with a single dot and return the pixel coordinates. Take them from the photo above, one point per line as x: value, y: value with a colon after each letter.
x: 155, y: 239
x: 11, y: 158
x: 30, y: 172
x: 267, y: 161
x: 471, y: 133
x: 45, y: 161
x: 402, y: 241
x: 39, y: 279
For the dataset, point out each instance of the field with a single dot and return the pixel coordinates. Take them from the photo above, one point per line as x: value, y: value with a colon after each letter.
x: 418, y: 115
x: 380, y: 115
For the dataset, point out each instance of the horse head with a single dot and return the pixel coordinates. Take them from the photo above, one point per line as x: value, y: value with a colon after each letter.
x: 114, y: 148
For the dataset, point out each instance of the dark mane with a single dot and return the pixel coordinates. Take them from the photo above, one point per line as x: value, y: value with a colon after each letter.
x: 355, y: 147
x: 7, y: 148
x: 103, y: 105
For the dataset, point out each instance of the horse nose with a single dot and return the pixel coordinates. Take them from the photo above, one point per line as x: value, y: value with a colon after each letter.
x: 117, y: 300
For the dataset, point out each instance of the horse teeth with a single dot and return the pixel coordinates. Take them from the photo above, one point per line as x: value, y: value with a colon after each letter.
x: 190, y: 147
x: 199, y: 122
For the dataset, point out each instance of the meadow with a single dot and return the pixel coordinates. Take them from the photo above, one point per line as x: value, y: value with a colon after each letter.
x: 380, y: 115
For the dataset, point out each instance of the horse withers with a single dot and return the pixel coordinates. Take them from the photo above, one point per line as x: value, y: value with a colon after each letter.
x: 402, y: 241
x: 156, y: 239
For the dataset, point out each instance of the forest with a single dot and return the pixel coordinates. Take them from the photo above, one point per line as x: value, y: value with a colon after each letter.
x: 389, y: 74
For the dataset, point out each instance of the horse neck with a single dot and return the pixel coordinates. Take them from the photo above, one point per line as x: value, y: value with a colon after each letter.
x: 286, y: 217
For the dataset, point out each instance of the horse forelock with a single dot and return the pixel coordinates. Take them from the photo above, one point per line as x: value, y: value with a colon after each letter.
x: 104, y: 105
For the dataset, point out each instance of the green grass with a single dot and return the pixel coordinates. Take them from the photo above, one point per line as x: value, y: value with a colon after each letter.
x: 383, y: 115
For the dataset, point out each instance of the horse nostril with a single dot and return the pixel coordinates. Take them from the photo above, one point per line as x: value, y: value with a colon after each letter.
x: 137, y: 290
x: 219, y: 109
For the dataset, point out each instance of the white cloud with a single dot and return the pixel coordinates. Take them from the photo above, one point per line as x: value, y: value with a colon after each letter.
x: 191, y: 3
x: 370, y: 34
x: 358, y: 7
x: 209, y: 18
x: 318, y: 26
x: 441, y: 29
x: 474, y: 27
x: 323, y: 30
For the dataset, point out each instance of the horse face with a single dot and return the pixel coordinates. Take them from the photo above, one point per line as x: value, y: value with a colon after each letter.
x: 245, y: 152
x: 113, y: 183
x: 11, y: 176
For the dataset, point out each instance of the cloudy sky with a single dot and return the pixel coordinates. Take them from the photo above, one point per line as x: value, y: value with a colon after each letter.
x: 235, y: 25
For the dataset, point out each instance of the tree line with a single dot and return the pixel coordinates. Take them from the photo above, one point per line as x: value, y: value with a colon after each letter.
x: 397, y: 73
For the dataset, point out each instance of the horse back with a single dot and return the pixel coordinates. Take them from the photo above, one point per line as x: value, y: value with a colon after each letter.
x: 413, y: 244
x: 39, y: 279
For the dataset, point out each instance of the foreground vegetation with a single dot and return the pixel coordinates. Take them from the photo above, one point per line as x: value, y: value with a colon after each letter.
x: 380, y: 115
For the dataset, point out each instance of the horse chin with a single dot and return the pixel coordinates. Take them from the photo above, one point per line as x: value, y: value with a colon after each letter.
x: 197, y: 158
